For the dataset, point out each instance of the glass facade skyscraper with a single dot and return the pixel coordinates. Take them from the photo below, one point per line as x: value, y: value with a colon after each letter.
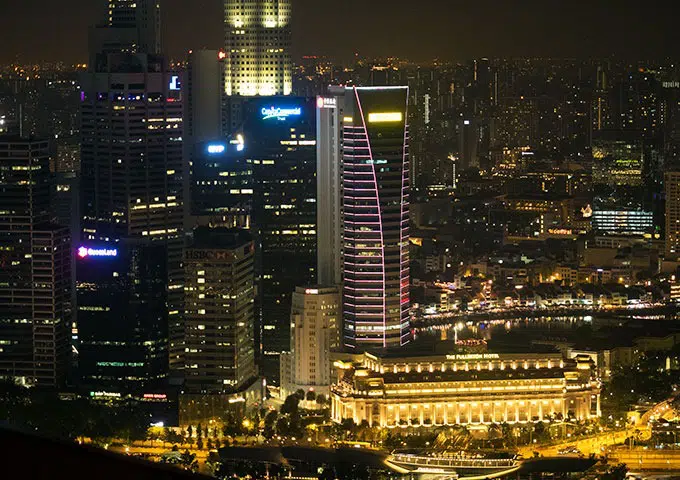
x: 376, y: 190
x: 280, y: 145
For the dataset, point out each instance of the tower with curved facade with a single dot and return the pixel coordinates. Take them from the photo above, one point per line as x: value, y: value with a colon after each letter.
x: 375, y: 181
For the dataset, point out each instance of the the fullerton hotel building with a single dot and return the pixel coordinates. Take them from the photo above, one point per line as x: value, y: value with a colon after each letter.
x: 484, y: 388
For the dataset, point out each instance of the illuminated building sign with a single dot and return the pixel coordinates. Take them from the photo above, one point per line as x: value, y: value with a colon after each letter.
x: 280, y: 113
x: 385, y: 117
x: 474, y: 356
x: 174, y: 83
x: 215, y: 148
x: 84, y: 252
x: 312, y: 291
x: 155, y: 396
x: 560, y: 231
x: 105, y: 394
x: 209, y: 255
x: 326, y: 102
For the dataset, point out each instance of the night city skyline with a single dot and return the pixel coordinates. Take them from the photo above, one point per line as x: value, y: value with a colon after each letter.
x: 449, y: 30
x: 340, y: 239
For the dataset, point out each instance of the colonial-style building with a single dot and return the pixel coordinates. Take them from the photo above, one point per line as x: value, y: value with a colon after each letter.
x: 484, y: 388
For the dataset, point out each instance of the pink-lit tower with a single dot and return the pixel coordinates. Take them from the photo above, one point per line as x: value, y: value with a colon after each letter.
x: 375, y: 178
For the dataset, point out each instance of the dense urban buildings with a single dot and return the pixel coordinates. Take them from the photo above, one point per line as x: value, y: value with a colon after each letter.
x: 376, y: 218
x: 36, y: 283
x: 251, y: 241
x: 258, y: 37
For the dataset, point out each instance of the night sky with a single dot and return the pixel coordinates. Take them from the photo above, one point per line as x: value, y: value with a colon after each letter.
x: 35, y: 30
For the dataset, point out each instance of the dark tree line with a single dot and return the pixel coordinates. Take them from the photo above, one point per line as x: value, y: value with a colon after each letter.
x: 43, y: 412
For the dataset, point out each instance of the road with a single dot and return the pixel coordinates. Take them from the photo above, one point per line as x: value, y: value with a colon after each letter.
x: 201, y: 455
x: 592, y: 445
x: 640, y: 459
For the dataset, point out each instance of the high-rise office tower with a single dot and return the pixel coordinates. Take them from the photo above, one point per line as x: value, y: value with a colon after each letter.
x: 36, y: 295
x: 314, y: 321
x: 132, y: 175
x: 258, y: 38
x: 204, y: 92
x: 203, y: 107
x: 672, y: 186
x: 329, y: 113
x: 219, y: 311
x: 280, y: 146
x: 376, y: 218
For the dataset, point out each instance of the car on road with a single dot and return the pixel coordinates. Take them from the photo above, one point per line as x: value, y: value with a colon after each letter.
x: 569, y: 451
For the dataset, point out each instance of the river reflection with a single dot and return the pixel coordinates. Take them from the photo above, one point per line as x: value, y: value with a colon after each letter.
x: 478, y: 331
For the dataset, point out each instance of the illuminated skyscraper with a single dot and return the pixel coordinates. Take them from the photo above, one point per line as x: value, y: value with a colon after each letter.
x: 258, y: 38
x: 376, y: 218
x: 280, y: 146
x: 132, y: 174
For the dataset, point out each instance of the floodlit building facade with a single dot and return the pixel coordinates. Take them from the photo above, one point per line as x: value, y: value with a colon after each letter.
x: 314, y: 319
x: 468, y: 389
x: 258, y: 38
